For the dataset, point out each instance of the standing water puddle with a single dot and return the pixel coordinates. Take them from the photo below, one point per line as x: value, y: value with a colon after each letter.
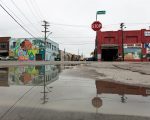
x: 44, y: 93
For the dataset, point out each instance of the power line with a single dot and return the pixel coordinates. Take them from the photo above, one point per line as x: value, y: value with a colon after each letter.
x: 69, y: 25
x: 38, y: 9
x: 31, y: 9
x: 133, y: 24
x: 137, y: 23
x: 11, y: 11
x: 77, y: 41
x: 73, y: 37
x: 16, y: 21
x: 88, y: 26
x: 75, y: 44
x: 35, y: 9
x: 23, y: 14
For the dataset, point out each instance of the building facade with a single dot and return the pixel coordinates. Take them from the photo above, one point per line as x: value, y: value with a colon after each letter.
x: 133, y: 45
x: 65, y: 56
x: 4, y: 46
x: 33, y: 49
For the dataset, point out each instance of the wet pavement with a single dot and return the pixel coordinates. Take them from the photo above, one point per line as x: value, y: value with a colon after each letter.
x: 52, y: 92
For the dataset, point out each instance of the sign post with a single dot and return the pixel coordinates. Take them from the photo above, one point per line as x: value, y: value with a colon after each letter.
x: 102, y: 12
x: 96, y: 26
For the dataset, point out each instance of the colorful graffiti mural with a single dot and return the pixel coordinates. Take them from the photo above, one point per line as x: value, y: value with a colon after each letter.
x: 132, y: 52
x: 26, y: 49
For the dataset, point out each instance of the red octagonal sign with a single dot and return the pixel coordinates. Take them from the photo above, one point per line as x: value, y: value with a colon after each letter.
x: 96, y: 26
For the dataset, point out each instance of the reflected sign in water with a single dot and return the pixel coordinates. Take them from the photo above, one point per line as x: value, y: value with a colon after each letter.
x: 122, y: 89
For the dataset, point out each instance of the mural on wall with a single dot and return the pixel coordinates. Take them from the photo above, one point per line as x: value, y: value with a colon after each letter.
x: 148, y: 50
x: 26, y: 49
x: 32, y: 75
x: 147, y: 46
x: 132, y: 52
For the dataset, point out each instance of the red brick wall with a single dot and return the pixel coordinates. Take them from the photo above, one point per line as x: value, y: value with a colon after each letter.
x: 5, y: 40
x: 115, y: 37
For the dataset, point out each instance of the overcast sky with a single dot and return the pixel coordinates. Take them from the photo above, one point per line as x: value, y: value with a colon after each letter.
x: 70, y: 20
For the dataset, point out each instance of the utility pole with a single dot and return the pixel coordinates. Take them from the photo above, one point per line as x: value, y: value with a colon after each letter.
x: 78, y: 55
x: 122, y: 29
x: 64, y: 54
x: 46, y: 24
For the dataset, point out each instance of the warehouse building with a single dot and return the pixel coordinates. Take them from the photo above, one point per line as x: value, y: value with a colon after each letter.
x: 131, y: 45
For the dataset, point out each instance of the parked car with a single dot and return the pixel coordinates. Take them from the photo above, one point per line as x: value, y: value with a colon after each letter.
x: 90, y: 59
x: 10, y: 58
x: 2, y: 58
x: 57, y: 59
x: 7, y: 58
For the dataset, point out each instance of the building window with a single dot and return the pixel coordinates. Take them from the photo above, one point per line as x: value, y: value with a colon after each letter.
x: 50, y: 45
x: 3, y: 45
x: 14, y: 44
x: 55, y: 48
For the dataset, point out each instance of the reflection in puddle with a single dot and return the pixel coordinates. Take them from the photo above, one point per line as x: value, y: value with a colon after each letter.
x: 4, y: 77
x: 120, y: 88
x: 107, y: 87
x: 41, y: 75
x: 28, y: 75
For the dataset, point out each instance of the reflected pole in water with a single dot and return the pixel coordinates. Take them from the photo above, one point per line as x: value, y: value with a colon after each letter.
x: 45, y: 99
x: 123, y: 98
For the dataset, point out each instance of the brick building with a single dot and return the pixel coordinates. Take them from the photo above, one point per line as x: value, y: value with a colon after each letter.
x: 135, y: 44
x: 4, y: 46
x: 65, y: 56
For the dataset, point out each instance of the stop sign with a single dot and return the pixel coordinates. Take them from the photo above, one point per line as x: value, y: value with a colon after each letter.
x: 96, y: 26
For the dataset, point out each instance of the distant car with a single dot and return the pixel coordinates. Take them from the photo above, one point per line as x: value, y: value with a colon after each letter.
x: 90, y: 59
x: 2, y: 58
x: 57, y: 59
x: 10, y: 58
x: 7, y: 58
